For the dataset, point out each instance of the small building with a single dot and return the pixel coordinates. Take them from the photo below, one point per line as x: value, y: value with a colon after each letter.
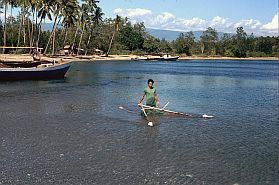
x: 97, y: 51
x: 68, y: 50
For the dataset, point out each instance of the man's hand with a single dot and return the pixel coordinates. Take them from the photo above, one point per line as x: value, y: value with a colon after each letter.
x: 158, y: 104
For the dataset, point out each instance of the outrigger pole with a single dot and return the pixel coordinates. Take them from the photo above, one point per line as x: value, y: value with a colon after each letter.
x: 174, y: 112
x: 150, y: 123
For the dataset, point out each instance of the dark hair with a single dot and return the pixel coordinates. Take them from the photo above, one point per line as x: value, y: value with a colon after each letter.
x: 150, y: 80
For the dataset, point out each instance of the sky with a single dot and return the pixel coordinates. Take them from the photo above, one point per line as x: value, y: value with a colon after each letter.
x: 255, y: 16
x: 259, y: 17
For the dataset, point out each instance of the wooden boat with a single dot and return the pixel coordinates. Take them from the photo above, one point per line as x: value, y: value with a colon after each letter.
x: 22, y: 64
x: 170, y: 58
x: 43, y: 71
x: 139, y: 58
x: 155, y: 58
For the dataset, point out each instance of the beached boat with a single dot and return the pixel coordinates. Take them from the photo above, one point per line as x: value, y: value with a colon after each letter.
x: 43, y: 71
x: 139, y: 58
x: 157, y: 58
x: 170, y: 58
x: 27, y: 64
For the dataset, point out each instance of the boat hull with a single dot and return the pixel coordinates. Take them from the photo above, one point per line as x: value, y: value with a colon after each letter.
x: 22, y: 64
x: 52, y: 72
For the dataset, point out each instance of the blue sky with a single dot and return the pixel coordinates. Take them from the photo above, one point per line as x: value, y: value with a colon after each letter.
x: 257, y: 16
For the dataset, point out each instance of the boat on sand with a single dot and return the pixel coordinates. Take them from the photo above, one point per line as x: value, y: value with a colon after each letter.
x: 43, y: 71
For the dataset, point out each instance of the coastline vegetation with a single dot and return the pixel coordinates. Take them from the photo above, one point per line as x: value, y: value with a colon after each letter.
x: 83, y: 26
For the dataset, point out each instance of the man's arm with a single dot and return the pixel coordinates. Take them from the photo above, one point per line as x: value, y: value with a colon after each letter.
x: 141, y: 99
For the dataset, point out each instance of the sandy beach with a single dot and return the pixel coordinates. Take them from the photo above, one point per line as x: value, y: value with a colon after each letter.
x: 28, y: 57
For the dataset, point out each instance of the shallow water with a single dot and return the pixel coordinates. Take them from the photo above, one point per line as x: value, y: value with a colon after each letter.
x: 71, y: 131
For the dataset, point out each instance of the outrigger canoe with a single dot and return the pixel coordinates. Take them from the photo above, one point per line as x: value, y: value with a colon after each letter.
x: 148, y: 110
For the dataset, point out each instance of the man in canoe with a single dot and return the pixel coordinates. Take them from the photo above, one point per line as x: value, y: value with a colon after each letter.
x: 151, y: 96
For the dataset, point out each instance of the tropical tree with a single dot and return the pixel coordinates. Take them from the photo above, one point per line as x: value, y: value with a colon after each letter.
x: 97, y: 18
x: 208, y: 40
x: 131, y: 38
x: 224, y: 46
x: 239, y: 41
x: 69, y: 15
x: 46, y: 10
x: 24, y: 5
x: 117, y: 22
x: 12, y: 3
x: 181, y: 45
x: 67, y: 8
x: 151, y: 44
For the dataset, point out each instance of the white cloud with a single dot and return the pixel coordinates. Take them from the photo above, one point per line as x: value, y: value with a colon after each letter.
x: 273, y: 25
x: 168, y: 21
x: 250, y: 24
x: 132, y: 12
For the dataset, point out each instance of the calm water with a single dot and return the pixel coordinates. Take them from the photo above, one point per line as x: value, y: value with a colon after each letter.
x: 71, y: 131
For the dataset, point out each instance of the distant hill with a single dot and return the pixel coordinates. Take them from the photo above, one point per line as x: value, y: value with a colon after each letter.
x: 172, y: 35
x: 169, y: 35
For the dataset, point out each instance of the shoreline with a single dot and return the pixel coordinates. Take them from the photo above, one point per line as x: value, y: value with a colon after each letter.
x: 28, y: 57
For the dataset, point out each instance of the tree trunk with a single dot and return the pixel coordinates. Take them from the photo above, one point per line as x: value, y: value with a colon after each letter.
x: 53, y: 48
x: 110, y: 42
x: 24, y: 33
x: 52, y: 31
x: 88, y: 43
x: 53, y: 43
x: 202, y: 47
x: 36, y: 31
x: 80, y: 38
x: 5, y: 25
x: 29, y: 32
x: 65, y: 38
x: 39, y: 29
x: 75, y: 36
x: 32, y: 30
x: 19, y: 31
x: 11, y: 25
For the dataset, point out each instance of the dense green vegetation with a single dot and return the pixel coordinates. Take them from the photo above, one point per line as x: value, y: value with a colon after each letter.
x: 83, y: 26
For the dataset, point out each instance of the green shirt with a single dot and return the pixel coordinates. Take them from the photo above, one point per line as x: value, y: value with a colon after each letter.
x: 150, y: 96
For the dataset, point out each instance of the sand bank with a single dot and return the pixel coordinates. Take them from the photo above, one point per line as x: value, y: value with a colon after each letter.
x: 28, y: 57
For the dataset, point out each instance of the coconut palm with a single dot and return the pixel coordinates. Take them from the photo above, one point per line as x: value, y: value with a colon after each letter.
x: 24, y: 5
x: 117, y: 22
x: 97, y: 18
x: 69, y: 15
x: 45, y: 11
x: 56, y: 12
x: 84, y: 19
x: 12, y: 3
x: 33, y: 10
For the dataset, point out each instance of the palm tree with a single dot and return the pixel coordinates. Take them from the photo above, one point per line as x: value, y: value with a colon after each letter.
x: 45, y: 11
x: 33, y: 10
x: 56, y: 12
x: 96, y: 19
x: 24, y: 4
x: 69, y: 15
x: 12, y: 5
x: 84, y: 20
x: 117, y: 22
